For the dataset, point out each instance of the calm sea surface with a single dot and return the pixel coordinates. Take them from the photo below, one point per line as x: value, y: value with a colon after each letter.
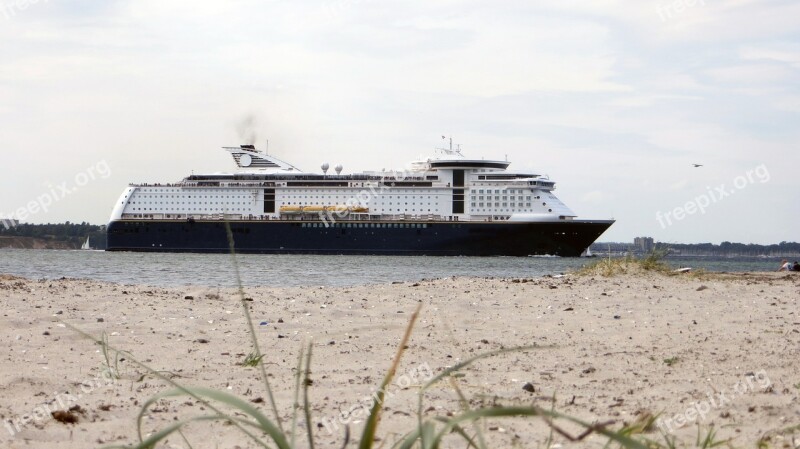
x: 282, y: 270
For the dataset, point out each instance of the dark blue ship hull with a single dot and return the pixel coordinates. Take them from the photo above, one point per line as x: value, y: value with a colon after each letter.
x: 561, y: 238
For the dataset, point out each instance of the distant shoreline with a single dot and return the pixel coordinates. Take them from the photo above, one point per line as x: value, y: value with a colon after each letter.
x: 13, y: 242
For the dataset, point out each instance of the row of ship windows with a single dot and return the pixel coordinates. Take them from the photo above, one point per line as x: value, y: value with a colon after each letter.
x: 503, y: 205
x: 505, y: 198
x: 344, y: 198
x: 497, y: 211
x: 400, y: 210
x: 303, y: 203
x: 330, y: 193
x: 193, y: 209
x: 189, y: 196
x: 324, y: 194
x: 406, y: 204
x: 504, y: 191
x: 479, y: 198
x: 180, y: 196
x: 175, y: 192
x: 191, y: 202
x: 367, y: 225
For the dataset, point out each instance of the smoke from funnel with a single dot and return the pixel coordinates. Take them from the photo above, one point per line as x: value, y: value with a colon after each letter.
x: 247, y: 129
x: 257, y: 128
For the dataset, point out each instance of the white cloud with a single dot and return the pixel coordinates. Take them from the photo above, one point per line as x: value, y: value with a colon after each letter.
x: 789, y: 54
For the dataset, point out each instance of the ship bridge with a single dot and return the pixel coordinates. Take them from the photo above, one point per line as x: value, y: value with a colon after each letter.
x: 452, y: 159
x: 456, y: 164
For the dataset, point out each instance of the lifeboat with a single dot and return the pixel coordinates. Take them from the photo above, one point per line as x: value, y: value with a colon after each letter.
x: 323, y: 209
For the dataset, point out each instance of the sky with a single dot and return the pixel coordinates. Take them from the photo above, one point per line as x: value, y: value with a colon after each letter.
x: 615, y: 100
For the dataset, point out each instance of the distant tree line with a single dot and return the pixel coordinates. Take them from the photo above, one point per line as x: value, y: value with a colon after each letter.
x: 788, y: 249
x: 73, y: 233
x: 735, y: 249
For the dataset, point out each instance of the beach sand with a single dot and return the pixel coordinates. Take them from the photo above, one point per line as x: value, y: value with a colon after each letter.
x: 722, y: 350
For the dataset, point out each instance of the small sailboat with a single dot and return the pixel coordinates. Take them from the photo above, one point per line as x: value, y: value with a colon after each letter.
x: 86, y: 244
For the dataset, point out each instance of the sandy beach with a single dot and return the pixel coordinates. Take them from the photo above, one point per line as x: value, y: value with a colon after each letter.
x: 721, y: 350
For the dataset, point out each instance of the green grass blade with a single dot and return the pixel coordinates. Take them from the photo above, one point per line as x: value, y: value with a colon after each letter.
x: 263, y: 423
x: 463, y: 433
x: 306, y: 403
x: 371, y: 426
x: 465, y: 407
x: 427, y: 435
x: 499, y: 412
x: 159, y: 375
x: 409, y: 440
x: 464, y: 364
x: 185, y: 440
x: 296, y: 403
x: 154, y: 439
x: 250, y: 328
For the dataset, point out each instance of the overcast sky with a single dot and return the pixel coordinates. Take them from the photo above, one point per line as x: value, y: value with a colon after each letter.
x: 614, y: 100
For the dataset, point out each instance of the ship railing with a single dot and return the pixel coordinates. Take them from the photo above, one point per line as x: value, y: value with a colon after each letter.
x: 144, y: 184
x: 311, y: 217
x: 245, y: 184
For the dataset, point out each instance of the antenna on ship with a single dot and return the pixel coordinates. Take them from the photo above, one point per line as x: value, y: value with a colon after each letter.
x: 451, y: 142
x: 450, y: 150
x: 266, y: 150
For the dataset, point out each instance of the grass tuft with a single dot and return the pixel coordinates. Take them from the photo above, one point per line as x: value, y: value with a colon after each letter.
x: 671, y: 361
x: 609, y: 267
x: 252, y: 360
x: 112, y: 363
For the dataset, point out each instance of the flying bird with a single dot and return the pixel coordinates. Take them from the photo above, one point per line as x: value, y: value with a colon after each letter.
x: 697, y: 165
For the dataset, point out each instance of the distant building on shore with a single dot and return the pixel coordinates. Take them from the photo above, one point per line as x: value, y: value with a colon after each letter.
x: 644, y: 244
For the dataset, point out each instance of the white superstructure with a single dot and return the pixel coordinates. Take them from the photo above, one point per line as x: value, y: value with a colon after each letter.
x: 446, y: 187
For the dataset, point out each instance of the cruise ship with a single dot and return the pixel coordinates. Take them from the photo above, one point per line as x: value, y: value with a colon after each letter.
x: 444, y: 205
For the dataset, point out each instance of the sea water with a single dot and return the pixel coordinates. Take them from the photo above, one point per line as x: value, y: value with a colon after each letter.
x: 177, y: 269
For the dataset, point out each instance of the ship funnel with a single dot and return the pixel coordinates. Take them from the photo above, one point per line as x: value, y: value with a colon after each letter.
x: 339, y: 169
